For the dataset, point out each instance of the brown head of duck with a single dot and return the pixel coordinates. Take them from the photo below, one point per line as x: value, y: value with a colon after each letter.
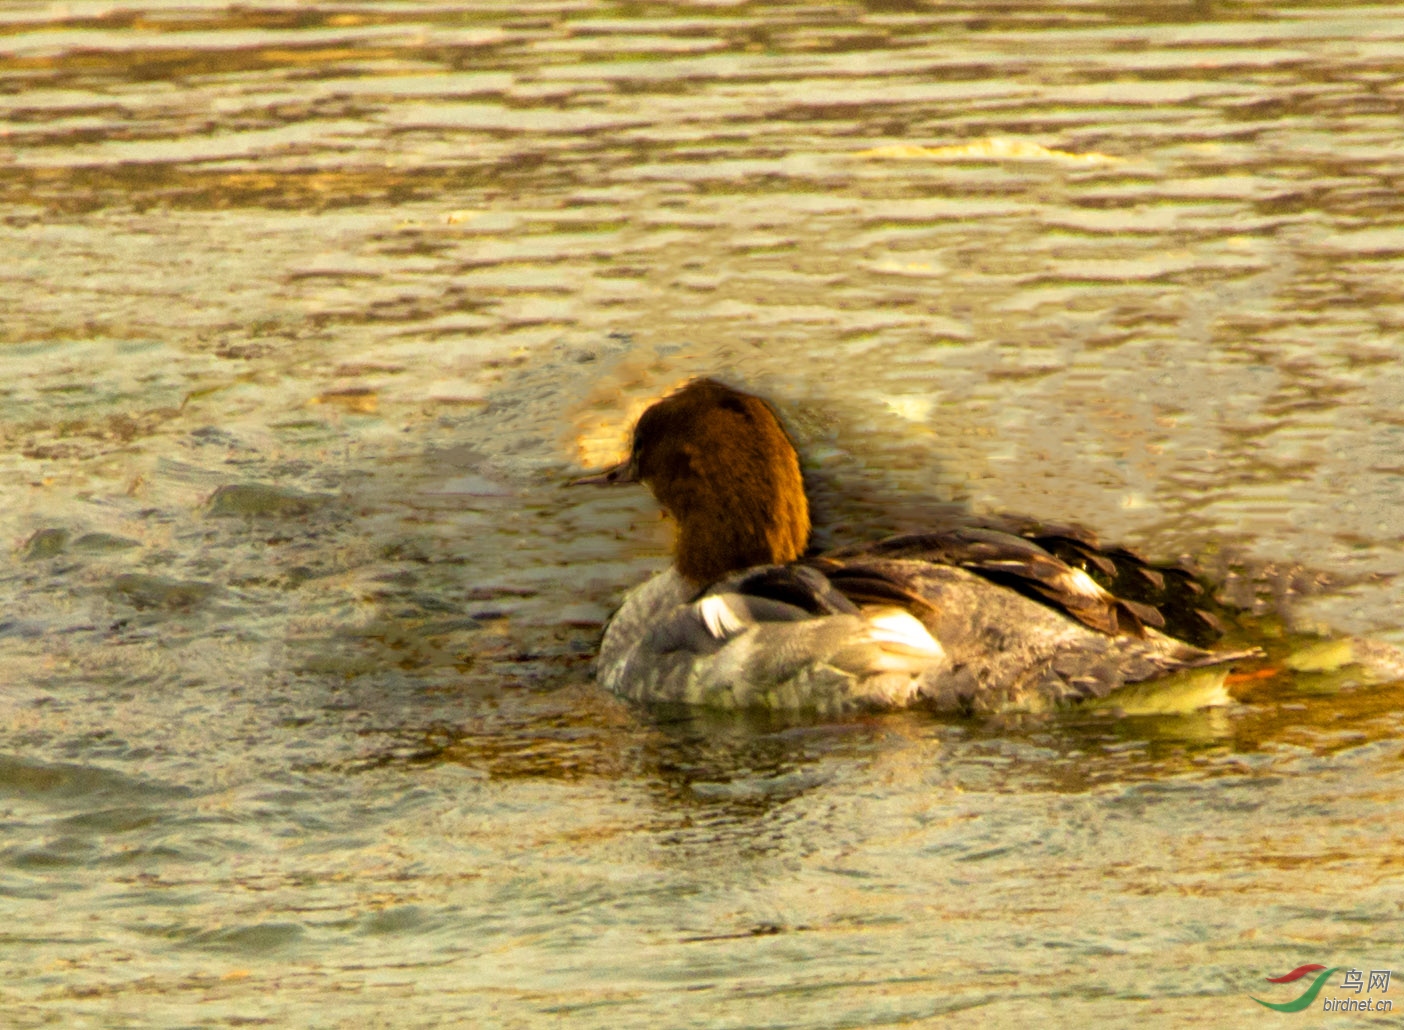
x: 721, y: 465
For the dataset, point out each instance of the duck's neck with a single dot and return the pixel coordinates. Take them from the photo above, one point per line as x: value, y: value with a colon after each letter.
x: 721, y: 538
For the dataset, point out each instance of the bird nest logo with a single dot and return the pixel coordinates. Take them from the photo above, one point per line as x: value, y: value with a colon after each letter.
x: 1353, y: 980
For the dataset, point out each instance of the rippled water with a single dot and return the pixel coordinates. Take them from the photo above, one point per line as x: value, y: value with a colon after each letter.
x: 308, y: 312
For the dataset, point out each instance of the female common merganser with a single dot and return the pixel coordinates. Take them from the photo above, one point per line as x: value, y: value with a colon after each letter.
x: 967, y: 619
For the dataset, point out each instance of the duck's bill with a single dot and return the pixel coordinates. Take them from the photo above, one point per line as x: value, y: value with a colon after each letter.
x: 621, y: 473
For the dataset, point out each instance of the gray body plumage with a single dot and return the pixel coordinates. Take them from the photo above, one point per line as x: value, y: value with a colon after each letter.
x: 990, y: 649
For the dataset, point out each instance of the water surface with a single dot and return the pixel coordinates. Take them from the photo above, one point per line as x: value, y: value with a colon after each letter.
x: 310, y: 311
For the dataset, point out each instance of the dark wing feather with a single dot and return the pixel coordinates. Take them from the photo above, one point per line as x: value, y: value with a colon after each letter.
x: 867, y: 584
x: 1172, y: 590
x: 801, y: 586
x: 1023, y: 564
x: 1078, y: 551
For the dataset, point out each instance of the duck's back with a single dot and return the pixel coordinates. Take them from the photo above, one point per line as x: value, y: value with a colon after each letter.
x: 1007, y: 651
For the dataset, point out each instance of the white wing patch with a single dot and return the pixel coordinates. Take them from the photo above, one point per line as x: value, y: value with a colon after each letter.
x: 1085, y: 584
x: 900, y: 631
x: 721, y: 620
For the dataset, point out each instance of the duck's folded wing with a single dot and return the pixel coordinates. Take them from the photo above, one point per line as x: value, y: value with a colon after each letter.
x: 1010, y: 560
x: 1171, y: 589
x: 1174, y: 590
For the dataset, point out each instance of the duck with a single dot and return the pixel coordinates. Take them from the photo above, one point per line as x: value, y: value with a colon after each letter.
x: 971, y: 617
